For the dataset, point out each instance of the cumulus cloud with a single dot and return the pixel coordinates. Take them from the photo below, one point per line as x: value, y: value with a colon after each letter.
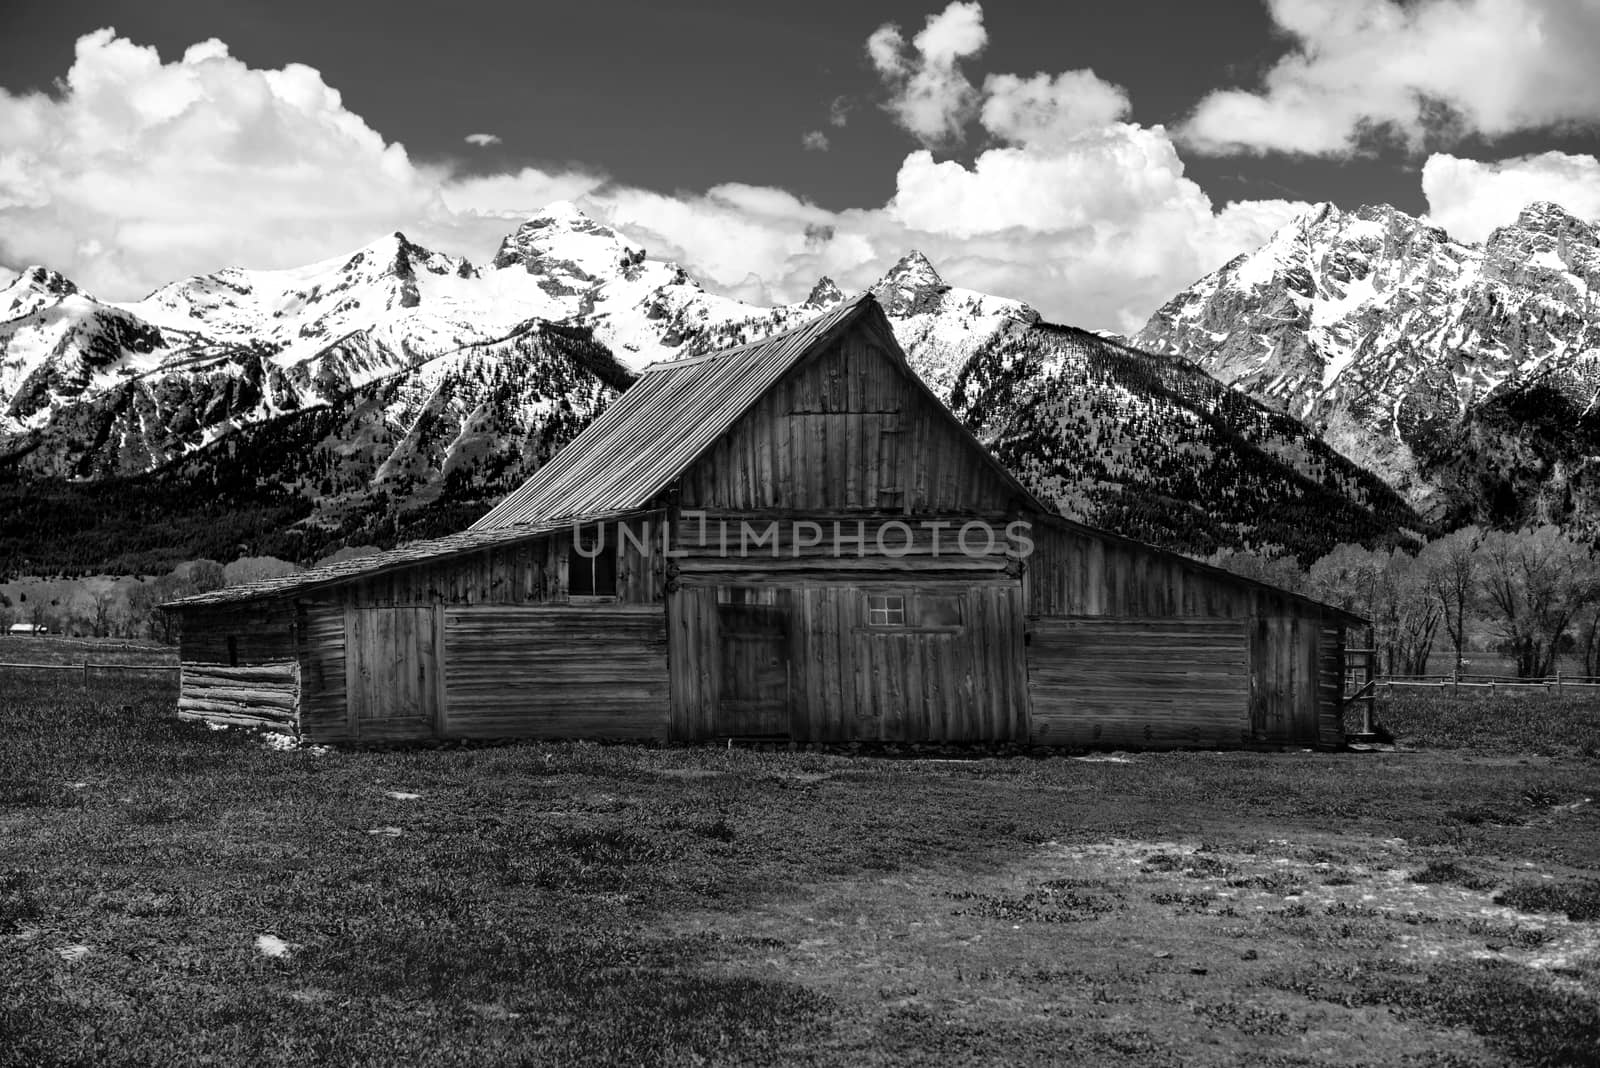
x: 839, y: 111
x: 137, y: 170
x: 1047, y: 111
x: 1433, y: 68
x: 930, y: 96
x: 1469, y: 199
x: 482, y: 140
x: 814, y: 141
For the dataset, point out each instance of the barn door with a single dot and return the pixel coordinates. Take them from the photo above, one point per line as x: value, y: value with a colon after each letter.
x: 754, y: 693
x: 392, y: 672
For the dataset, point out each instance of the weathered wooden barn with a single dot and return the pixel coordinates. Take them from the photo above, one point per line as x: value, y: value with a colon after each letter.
x: 792, y: 539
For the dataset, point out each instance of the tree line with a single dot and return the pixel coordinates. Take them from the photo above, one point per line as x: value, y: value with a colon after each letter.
x: 1531, y: 594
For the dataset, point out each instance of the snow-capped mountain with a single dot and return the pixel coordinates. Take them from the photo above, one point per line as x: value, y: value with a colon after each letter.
x: 398, y: 392
x: 940, y: 326
x: 1413, y: 354
x: 91, y: 388
x: 1155, y: 448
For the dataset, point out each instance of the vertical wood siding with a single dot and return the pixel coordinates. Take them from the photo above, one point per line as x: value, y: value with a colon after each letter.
x: 392, y: 673
x: 258, y: 695
x: 1140, y: 683
x: 845, y: 431
x: 849, y: 681
x: 526, y: 572
x: 529, y: 672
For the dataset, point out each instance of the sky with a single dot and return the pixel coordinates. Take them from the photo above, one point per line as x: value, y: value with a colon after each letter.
x: 1092, y: 159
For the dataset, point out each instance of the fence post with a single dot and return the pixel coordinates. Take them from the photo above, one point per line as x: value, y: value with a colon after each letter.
x: 86, y: 670
x: 1558, y: 682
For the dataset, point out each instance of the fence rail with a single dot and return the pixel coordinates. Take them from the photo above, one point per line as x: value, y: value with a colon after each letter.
x: 1456, y: 683
x: 83, y: 668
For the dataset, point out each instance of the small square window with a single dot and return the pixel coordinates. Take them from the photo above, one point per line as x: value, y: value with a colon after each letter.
x: 886, y: 610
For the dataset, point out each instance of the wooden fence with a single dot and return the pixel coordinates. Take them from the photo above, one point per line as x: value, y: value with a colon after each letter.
x: 1557, y: 684
x: 84, y: 669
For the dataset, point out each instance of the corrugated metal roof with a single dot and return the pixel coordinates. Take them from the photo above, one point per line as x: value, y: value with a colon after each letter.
x: 416, y: 552
x: 659, y: 426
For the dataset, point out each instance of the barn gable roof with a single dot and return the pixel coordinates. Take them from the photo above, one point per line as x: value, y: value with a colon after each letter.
x: 676, y: 411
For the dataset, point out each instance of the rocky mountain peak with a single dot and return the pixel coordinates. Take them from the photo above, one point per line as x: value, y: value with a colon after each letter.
x: 824, y: 294
x: 46, y: 281
x: 35, y: 288
x: 1545, y: 217
x: 910, y: 286
x: 1548, y: 248
x: 1318, y: 215
x: 1388, y: 335
x: 914, y: 271
x: 569, y: 247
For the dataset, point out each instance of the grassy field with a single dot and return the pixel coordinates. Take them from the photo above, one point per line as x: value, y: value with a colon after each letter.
x: 175, y: 895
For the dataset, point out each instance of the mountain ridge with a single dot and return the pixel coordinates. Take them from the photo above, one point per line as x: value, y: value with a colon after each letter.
x: 1396, y: 342
x: 404, y: 351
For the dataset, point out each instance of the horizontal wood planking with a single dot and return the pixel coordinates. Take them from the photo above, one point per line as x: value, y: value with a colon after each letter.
x: 1140, y: 683
x: 261, y: 696
x: 548, y: 672
x: 321, y: 642
x: 1330, y: 686
x: 764, y: 540
x: 262, y: 632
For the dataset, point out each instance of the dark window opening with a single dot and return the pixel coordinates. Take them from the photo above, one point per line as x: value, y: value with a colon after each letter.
x: 233, y: 651
x: 593, y: 576
x: 938, y: 612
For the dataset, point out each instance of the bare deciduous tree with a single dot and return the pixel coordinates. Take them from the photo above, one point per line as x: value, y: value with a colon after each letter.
x: 1450, y: 575
x: 1535, y: 582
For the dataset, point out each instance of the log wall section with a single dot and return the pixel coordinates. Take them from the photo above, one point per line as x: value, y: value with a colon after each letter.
x: 256, y: 695
x: 1140, y: 683
x: 547, y: 672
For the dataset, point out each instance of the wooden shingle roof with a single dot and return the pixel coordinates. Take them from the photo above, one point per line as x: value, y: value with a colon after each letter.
x: 675, y: 410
